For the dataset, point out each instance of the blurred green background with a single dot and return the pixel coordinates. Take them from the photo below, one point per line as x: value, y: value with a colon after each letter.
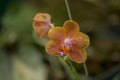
x: 22, y: 53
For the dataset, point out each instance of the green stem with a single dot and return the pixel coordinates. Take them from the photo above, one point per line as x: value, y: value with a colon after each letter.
x: 71, y: 67
x: 73, y: 70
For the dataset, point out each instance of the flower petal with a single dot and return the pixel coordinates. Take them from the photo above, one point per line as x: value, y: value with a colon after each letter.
x: 53, y: 48
x: 41, y: 28
x: 77, y: 56
x: 71, y: 27
x: 80, y: 41
x: 57, y: 34
x: 42, y: 17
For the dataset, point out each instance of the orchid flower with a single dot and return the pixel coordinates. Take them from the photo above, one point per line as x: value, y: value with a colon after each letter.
x: 68, y: 41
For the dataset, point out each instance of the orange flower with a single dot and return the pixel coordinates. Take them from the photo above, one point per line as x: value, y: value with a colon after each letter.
x: 68, y: 41
x: 42, y: 24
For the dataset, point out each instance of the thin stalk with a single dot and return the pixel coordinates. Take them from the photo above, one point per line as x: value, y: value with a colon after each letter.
x: 68, y: 10
x: 77, y: 77
x: 86, y: 71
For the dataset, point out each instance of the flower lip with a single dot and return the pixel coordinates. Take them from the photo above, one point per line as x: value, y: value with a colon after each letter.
x: 62, y: 53
x: 66, y: 45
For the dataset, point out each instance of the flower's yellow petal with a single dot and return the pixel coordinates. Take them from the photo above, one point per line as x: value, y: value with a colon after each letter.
x: 53, y: 48
x: 71, y: 27
x: 57, y: 34
x: 77, y: 56
x: 80, y: 41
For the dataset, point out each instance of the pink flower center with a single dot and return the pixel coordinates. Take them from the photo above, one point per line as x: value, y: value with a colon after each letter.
x: 65, y: 46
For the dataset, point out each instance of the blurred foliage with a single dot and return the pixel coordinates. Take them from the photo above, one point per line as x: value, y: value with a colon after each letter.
x: 18, y: 21
x: 22, y: 53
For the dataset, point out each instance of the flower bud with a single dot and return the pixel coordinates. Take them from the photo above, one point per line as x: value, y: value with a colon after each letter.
x: 42, y: 24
